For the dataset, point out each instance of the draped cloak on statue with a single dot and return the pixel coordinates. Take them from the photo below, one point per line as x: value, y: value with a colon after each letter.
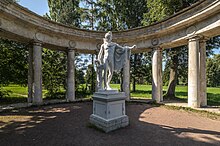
x: 121, y: 54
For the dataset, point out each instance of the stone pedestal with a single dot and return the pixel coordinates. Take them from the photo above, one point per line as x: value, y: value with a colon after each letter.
x: 109, y: 110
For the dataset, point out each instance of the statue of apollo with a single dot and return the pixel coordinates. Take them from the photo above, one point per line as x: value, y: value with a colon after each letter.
x: 111, y: 58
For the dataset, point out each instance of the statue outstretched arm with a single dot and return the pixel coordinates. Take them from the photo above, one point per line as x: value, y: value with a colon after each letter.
x: 133, y: 47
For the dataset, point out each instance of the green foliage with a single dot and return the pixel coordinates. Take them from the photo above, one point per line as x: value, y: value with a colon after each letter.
x: 18, y: 93
x: 13, y: 66
x: 161, y: 9
x: 90, y: 76
x: 3, y: 93
x: 65, y: 11
x: 54, y: 71
x: 213, y: 71
x: 106, y: 15
x: 130, y: 12
x: 141, y: 68
x: 79, y: 78
x: 176, y: 58
x: 181, y: 54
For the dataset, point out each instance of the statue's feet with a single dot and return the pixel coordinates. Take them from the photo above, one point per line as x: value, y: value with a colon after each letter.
x: 108, y: 88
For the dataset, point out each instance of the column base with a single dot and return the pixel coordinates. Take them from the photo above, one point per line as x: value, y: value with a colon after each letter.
x: 193, y: 104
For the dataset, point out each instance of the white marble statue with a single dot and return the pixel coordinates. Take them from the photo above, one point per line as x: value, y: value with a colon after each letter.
x: 111, y: 58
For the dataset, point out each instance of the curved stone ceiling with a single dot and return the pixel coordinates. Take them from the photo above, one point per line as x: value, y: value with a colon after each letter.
x: 20, y: 24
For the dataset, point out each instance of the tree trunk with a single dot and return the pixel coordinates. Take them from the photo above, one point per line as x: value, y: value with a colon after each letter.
x: 173, y: 77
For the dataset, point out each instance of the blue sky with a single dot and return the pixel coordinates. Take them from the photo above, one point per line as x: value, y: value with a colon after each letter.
x: 38, y: 6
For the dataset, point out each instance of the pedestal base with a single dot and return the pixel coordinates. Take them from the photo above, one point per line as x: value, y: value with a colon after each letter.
x: 109, y: 111
x: 109, y: 125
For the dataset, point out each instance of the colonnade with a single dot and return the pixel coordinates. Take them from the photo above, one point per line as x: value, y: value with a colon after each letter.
x: 197, y: 96
x: 35, y: 74
x: 196, y: 74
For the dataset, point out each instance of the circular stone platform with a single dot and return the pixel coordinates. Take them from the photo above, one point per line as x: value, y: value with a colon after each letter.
x: 68, y: 124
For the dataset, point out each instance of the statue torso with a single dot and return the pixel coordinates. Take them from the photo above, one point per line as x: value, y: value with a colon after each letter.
x: 109, y: 49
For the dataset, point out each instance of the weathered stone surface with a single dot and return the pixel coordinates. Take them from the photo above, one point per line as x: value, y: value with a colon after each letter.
x: 37, y: 69
x: 157, y: 83
x: 202, y: 65
x: 109, y: 125
x: 109, y: 111
x: 193, y: 73
x: 172, y: 32
x: 71, y: 75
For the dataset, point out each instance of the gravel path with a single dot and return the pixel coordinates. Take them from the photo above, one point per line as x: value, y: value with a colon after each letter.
x: 68, y: 124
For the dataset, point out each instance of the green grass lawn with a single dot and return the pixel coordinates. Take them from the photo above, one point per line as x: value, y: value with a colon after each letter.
x: 19, y: 94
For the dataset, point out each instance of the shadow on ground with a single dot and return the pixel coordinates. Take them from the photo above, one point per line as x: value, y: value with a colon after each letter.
x: 67, y: 124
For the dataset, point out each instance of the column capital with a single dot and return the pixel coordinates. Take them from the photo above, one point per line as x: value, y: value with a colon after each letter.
x: 197, y: 37
x: 36, y: 43
x: 194, y: 38
x: 203, y: 39
x: 157, y: 49
x: 70, y: 49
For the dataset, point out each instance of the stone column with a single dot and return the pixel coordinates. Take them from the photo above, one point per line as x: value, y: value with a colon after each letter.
x: 37, y: 69
x: 126, y: 77
x: 71, y: 75
x: 203, y: 94
x: 157, y: 84
x: 30, y: 75
x: 193, y: 73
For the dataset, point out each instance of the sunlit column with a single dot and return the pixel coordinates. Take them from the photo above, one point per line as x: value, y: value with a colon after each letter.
x: 193, y: 73
x: 157, y: 89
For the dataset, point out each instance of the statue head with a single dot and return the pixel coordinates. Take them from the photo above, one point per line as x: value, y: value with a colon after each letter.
x: 108, y: 37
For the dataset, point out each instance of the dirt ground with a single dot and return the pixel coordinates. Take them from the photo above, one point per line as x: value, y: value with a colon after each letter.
x: 68, y: 124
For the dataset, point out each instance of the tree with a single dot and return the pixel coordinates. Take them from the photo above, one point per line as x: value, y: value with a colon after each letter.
x: 176, y: 68
x: 54, y: 71
x: 135, y: 10
x: 90, y: 75
x: 13, y: 66
x: 213, y: 71
x: 65, y: 11
x: 112, y: 15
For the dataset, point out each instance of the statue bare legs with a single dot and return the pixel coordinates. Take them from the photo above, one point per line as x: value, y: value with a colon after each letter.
x: 108, y: 72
